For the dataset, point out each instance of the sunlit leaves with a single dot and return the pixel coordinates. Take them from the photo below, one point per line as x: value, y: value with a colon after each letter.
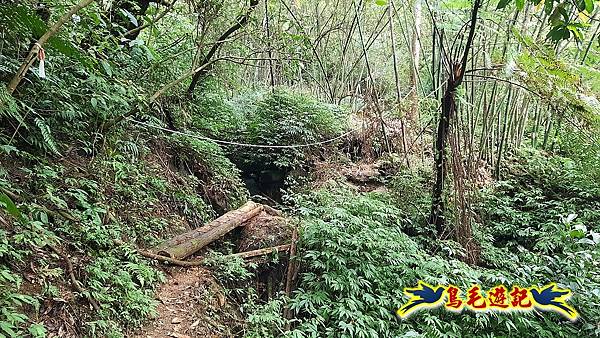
x: 129, y: 16
x: 589, y: 5
x: 563, y: 24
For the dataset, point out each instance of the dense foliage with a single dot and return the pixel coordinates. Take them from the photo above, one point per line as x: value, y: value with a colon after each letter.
x: 538, y: 226
x: 155, y: 117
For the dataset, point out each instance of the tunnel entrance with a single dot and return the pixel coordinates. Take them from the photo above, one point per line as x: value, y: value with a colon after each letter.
x: 265, y: 181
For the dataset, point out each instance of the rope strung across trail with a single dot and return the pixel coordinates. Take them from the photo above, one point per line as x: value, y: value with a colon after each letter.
x: 204, y: 138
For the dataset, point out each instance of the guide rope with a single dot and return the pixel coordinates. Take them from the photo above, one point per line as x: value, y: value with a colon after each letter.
x: 249, y: 145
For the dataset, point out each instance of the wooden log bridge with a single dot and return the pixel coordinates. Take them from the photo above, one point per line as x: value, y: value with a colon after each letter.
x: 186, y: 244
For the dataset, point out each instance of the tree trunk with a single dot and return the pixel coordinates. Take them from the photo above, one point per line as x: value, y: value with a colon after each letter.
x: 241, y: 21
x: 397, y: 84
x: 455, y: 79
x: 438, y: 205
x: 413, y: 116
x: 190, y: 242
x: 38, y: 45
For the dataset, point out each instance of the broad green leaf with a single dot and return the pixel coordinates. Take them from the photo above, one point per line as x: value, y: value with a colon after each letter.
x: 520, y: 4
x: 10, y: 206
x: 589, y: 6
x: 576, y: 32
x: 502, y: 4
x: 107, y: 67
x: 381, y: 2
x: 578, y: 231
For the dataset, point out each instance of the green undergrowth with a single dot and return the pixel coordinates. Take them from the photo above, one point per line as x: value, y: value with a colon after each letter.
x: 279, y: 117
x: 140, y: 190
x: 357, y: 256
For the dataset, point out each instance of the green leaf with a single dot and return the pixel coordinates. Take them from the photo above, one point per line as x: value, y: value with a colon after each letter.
x: 9, y: 205
x: 107, y: 67
x: 558, y: 33
x: 520, y: 4
x: 576, y: 234
x: 8, y: 328
x: 589, y: 6
x: 381, y: 2
x: 576, y: 32
x: 37, y: 330
x: 502, y: 4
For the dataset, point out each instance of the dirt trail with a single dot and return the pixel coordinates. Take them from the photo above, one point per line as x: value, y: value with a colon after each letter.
x: 191, y: 304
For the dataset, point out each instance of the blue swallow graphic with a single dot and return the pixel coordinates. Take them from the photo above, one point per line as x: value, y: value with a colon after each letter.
x: 553, y: 298
x: 423, y: 296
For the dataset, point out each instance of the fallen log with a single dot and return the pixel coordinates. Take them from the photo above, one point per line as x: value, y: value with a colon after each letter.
x: 190, y: 242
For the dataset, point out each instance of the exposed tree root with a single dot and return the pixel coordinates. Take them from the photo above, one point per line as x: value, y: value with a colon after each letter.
x: 74, y: 280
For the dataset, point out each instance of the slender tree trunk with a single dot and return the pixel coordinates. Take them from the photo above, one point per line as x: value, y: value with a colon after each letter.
x: 448, y: 110
x: 503, y: 133
x: 547, y: 129
x: 556, y: 132
x: 241, y: 21
x: 31, y: 56
x: 592, y: 39
x: 536, y: 126
x: 386, y: 142
x: 269, y: 51
x: 438, y: 205
x: 413, y: 116
x: 397, y: 83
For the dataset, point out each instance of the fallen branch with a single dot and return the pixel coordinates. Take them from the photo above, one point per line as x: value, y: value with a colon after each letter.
x: 247, y: 254
x: 272, y: 211
x: 173, y: 261
x: 260, y: 252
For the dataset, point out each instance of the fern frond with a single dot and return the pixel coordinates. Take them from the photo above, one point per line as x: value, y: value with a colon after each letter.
x: 8, y: 106
x: 49, y: 142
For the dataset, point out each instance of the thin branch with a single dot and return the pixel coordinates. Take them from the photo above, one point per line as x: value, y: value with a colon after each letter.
x: 160, y: 16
